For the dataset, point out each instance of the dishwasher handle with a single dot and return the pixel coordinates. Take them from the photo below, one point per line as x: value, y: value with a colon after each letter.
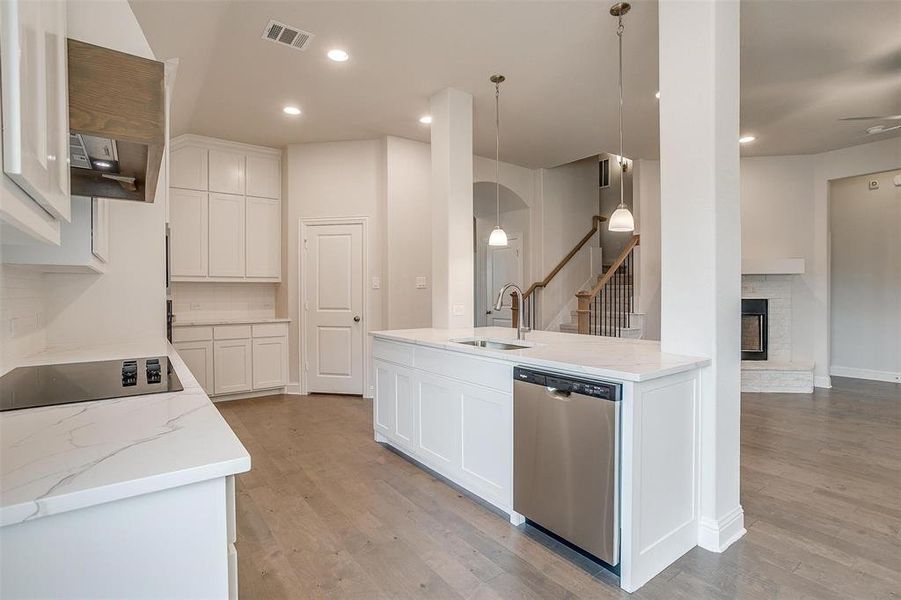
x: 558, y: 394
x: 560, y: 385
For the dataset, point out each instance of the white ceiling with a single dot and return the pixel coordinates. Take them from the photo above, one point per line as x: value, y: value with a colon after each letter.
x: 804, y: 64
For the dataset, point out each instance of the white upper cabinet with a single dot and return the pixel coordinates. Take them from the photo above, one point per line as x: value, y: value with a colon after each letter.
x: 33, y: 61
x: 264, y: 176
x: 226, y: 172
x: 226, y: 235
x: 188, y: 167
x: 188, y: 233
x: 238, y: 236
x: 264, y: 242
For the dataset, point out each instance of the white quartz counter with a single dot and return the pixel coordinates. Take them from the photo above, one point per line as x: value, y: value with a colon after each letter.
x: 596, y: 356
x: 62, y: 458
x: 194, y: 323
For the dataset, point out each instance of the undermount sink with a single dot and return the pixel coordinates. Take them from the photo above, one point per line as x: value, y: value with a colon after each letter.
x: 491, y: 344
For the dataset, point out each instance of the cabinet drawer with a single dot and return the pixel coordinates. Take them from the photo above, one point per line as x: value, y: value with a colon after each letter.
x: 270, y: 330
x: 393, y: 352
x: 231, y: 332
x: 191, y: 334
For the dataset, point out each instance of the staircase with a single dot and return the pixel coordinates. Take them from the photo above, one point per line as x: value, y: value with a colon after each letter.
x: 618, y: 303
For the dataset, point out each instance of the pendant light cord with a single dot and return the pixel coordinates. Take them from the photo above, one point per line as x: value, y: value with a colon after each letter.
x: 622, y: 159
x: 497, y: 149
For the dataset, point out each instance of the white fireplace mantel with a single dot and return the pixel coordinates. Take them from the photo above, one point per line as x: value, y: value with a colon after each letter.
x: 773, y: 266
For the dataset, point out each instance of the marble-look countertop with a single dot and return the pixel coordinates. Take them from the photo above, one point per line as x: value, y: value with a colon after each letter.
x: 198, y: 322
x: 60, y: 458
x: 595, y: 356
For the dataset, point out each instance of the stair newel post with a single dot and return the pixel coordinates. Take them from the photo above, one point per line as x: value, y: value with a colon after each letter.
x: 514, y: 309
x: 584, y: 310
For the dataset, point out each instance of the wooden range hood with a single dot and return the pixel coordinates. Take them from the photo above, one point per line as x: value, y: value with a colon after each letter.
x: 117, y: 102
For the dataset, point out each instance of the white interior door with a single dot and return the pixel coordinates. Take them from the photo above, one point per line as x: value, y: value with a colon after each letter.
x: 504, y: 266
x: 333, y: 308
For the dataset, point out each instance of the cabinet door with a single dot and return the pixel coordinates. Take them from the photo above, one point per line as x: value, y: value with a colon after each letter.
x: 486, y: 446
x: 188, y: 233
x: 188, y: 168
x: 198, y: 357
x: 233, y: 366
x: 264, y: 177
x: 383, y: 415
x: 226, y: 172
x: 438, y: 410
x: 226, y: 251
x: 264, y: 237
x: 33, y: 62
x: 270, y: 362
x: 100, y: 228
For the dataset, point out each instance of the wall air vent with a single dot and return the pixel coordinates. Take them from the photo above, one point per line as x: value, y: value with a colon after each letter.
x: 286, y: 35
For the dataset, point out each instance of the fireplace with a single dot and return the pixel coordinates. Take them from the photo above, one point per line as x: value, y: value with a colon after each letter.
x: 754, y: 329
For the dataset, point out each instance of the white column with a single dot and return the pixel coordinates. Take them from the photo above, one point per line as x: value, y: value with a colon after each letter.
x: 701, y: 235
x: 451, y: 190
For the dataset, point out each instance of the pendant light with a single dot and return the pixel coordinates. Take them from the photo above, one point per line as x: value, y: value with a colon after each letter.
x: 621, y: 219
x: 498, y: 236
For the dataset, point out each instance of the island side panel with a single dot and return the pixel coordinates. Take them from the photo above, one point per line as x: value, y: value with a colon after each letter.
x: 660, y: 468
x: 168, y: 544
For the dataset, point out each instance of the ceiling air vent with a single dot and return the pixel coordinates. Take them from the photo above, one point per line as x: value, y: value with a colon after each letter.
x: 287, y: 35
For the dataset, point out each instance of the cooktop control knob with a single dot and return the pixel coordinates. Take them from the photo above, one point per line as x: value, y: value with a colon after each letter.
x: 154, y: 373
x: 129, y: 373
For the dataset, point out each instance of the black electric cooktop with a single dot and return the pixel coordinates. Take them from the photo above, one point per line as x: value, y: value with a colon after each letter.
x: 47, y: 385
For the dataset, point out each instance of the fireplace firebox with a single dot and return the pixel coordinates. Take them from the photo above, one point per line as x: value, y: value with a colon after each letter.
x: 753, y: 329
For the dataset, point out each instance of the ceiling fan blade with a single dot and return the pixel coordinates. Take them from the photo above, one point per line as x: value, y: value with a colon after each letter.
x: 882, y: 118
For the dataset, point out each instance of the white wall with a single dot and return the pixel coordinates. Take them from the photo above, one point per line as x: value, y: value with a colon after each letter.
x: 646, y: 201
x: 22, y: 314
x: 866, y: 277
x: 335, y: 179
x: 569, y: 200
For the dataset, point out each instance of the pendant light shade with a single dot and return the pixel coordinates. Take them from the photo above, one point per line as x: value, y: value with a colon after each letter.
x: 621, y: 219
x: 498, y: 236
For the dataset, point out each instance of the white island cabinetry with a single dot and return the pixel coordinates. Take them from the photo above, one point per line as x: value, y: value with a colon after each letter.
x: 450, y: 407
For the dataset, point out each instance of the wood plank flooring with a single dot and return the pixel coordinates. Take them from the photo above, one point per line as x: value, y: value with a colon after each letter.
x: 328, y: 513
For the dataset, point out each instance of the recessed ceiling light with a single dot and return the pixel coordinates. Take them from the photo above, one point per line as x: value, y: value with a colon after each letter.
x: 657, y: 95
x: 291, y: 110
x: 425, y: 120
x: 746, y: 139
x: 338, y: 55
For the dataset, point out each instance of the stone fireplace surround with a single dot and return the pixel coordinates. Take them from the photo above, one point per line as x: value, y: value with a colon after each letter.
x: 779, y: 373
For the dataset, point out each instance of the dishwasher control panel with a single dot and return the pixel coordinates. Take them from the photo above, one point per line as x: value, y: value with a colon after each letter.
x: 563, y: 383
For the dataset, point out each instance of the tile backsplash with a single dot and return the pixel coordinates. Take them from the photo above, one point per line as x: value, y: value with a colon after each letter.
x: 23, y: 330
x: 211, y: 301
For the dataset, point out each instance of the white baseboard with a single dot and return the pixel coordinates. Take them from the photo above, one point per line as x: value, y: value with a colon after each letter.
x: 718, y: 534
x: 871, y: 374
x: 293, y: 389
x: 242, y: 395
x: 822, y: 381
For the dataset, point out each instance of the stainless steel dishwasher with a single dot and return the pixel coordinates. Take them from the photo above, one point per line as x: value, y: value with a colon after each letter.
x: 566, y: 439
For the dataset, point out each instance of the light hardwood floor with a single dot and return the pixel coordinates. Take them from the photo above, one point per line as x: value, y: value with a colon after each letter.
x: 328, y: 513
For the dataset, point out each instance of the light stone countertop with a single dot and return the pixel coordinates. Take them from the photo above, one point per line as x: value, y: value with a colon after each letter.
x: 594, y: 356
x: 202, y: 322
x: 60, y: 458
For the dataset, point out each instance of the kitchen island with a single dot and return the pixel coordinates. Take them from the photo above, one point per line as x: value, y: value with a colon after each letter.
x: 446, y: 400
x: 121, y: 498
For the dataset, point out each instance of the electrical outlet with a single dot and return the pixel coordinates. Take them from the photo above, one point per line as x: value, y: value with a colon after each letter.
x: 376, y: 283
x: 420, y: 283
x: 195, y: 306
x: 458, y: 309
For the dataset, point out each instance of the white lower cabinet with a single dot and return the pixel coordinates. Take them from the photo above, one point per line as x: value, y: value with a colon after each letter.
x: 270, y: 362
x: 233, y: 366
x: 198, y: 357
x: 230, y: 359
x: 459, y: 428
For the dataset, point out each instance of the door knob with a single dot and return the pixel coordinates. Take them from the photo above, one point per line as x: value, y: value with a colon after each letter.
x: 357, y: 319
x: 487, y: 312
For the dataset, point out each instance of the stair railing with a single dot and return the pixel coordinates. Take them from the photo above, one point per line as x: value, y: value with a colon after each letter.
x: 530, y: 298
x: 605, y: 309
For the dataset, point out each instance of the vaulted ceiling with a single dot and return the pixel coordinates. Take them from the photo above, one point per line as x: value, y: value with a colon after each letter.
x: 804, y: 65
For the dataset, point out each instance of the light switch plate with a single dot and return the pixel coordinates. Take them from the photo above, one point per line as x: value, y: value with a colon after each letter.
x: 420, y: 283
x: 458, y: 310
x: 376, y: 283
